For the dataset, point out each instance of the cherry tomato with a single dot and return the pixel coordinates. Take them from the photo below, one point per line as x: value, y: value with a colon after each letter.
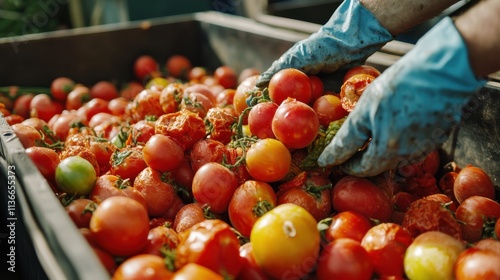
x: 193, y: 271
x: 146, y: 103
x: 27, y: 135
x: 213, y: 185
x: 77, y: 97
x: 61, y: 87
x: 249, y: 202
x: 105, y: 90
x: 162, y: 153
x: 226, y: 76
x: 295, y: 124
x: 260, y: 119
x: 42, y: 106
x: 328, y: 108
x: 159, y: 195
x: 80, y: 211
x: 189, y: 215
x: 317, y: 88
x: 250, y: 270
x: 178, y: 66
x: 184, y: 126
x: 268, y: 160
x: 131, y: 90
x: 361, y: 195
x: 120, y: 225
x: 75, y: 175
x: 197, y: 73
x: 473, y: 213
x: 290, y: 83
x: 143, y: 266
x: 46, y: 160
x: 106, y: 259
x: 344, y: 258
x: 348, y: 224
x: 144, y: 66
x: 220, y: 121
x: 206, y: 150
x: 160, y: 238
x: 111, y: 185
x: 361, y: 69
x: 295, y: 242
x: 212, y: 244
x: 247, y: 72
x: 474, y: 263
x: 352, y: 89
x: 22, y: 105
x: 225, y: 97
x: 471, y: 181
x: 242, y: 93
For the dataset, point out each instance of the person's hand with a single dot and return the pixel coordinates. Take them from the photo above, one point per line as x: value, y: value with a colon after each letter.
x: 350, y: 36
x: 409, y: 110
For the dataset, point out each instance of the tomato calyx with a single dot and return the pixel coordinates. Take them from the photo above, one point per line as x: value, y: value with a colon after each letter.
x: 314, y: 190
x: 243, y: 143
x: 168, y: 256
x: 122, y: 183
x: 89, y: 208
x: 119, y: 156
x: 178, y: 188
x: 489, y: 228
x: 261, y: 207
x: 53, y: 141
x: 122, y: 137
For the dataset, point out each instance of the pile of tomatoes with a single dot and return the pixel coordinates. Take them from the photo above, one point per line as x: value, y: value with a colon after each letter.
x: 186, y: 173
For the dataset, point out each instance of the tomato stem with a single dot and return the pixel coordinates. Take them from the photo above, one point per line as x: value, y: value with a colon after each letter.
x: 261, y: 207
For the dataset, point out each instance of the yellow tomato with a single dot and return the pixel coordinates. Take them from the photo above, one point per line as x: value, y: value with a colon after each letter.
x: 286, y: 242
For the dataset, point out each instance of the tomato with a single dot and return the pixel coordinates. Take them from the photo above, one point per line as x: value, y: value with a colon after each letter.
x: 213, y: 185
x: 157, y: 84
x: 144, y: 66
x: 146, y: 103
x: 206, y: 150
x: 159, y: 239
x: 328, y: 108
x: 268, y: 160
x: 488, y: 243
x: 60, y: 87
x: 317, y: 88
x: 77, y: 97
x: 13, y: 119
x: 105, y: 90
x: 197, y: 73
x: 80, y: 211
x: 473, y: 213
x: 213, y: 244
x: 471, y: 181
x: 46, y: 160
x: 178, y: 66
x: 352, y: 89
x: 310, y: 191
x: 249, y: 202
x: 27, y: 135
x: 106, y: 259
x: 143, y: 266
x: 127, y: 162
x: 295, y: 124
x: 141, y: 131
x: 171, y: 96
x: 183, y: 176
x: 42, y: 106
x: 117, y: 106
x: 226, y: 76
x: 159, y: 195
x: 295, y: 241
x: 496, y: 229
x: 220, y: 122
x: 162, y: 153
x: 361, y: 195
x: 290, y: 83
x: 22, y: 105
x: 344, y: 258
x: 250, y: 269
x: 110, y: 185
x: 260, y: 119
x: 184, y: 126
x: 202, y: 89
x: 431, y: 255
x: 225, y: 97
x: 445, y: 201
x: 361, y: 69
x: 446, y: 183
x: 427, y: 215
x: 247, y: 72
x: 120, y: 225
x: 62, y: 125
x: 83, y: 152
x: 348, y: 224
x: 475, y: 264
x: 189, y: 215
x: 242, y: 93
x: 386, y: 244
x: 130, y: 90
x: 75, y: 175
x: 193, y: 271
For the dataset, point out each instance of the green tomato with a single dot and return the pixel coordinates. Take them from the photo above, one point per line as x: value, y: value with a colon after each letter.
x: 75, y: 175
x: 431, y: 255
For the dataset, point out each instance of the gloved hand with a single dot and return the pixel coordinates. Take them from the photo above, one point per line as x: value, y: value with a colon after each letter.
x: 350, y: 36
x: 410, y: 109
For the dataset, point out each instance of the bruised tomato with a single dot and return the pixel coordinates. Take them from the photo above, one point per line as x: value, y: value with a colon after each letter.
x: 361, y: 69
x: 352, y: 89
x: 159, y: 195
x: 110, y: 185
x: 184, y: 126
x: 206, y: 150
x: 80, y: 211
x: 160, y: 238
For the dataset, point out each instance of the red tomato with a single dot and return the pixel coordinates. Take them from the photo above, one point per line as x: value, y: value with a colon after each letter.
x: 27, y: 135
x: 105, y: 90
x: 344, y: 258
x: 220, y: 122
x: 352, y: 89
x: 226, y: 76
x: 200, y: 88
x: 328, y: 108
x: 197, y: 103
x: 184, y: 126
x: 77, y: 97
x: 242, y: 93
x: 386, y: 244
x: 260, y: 119
x: 80, y: 211
x: 361, y: 195
x: 143, y: 266
x: 117, y: 106
x: 268, y: 160
x: 41, y: 106
x: 189, y: 215
x: 361, y: 69
x: 446, y: 183
x: 60, y: 87
x: 195, y: 271
x: 295, y: 124
x: 106, y: 259
x: 474, y: 263
x: 213, y: 185
x: 145, y: 66
x: 178, y: 66
x: 141, y: 131
x: 197, y: 73
x: 162, y: 153
x: 46, y: 160
x: 317, y: 88
x: 290, y: 83
x: 110, y: 185
x: 131, y: 90
x: 250, y: 201
x: 160, y: 238
x: 348, y: 224
x: 206, y: 150
x: 473, y: 213
x: 247, y: 72
x: 22, y: 105
x: 225, y: 97
x: 120, y: 225
x: 250, y: 270
x: 212, y: 244
x: 159, y: 195
x: 183, y: 175
x: 471, y: 181
x: 127, y: 162
x: 13, y: 119
x: 146, y: 103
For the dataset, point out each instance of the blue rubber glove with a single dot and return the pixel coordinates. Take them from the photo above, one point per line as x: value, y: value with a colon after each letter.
x: 350, y: 36
x: 410, y: 109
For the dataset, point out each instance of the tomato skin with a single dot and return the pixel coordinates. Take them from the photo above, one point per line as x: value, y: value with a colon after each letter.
x: 348, y: 224
x: 242, y: 93
x: 127, y: 162
x: 344, y: 258
x: 105, y: 90
x: 352, y: 89
x: 22, y: 105
x: 60, y: 87
x: 386, y: 244
x: 360, y: 194
x: 142, y: 266
x: 77, y: 97
x: 159, y: 195
x: 189, y: 215
x: 213, y: 244
x: 46, y: 160
x: 290, y: 83
x: 178, y: 66
x: 260, y: 119
x: 75, y: 175
x: 146, y: 103
x: 160, y: 237
x: 328, y: 108
x: 295, y: 238
x: 268, y: 160
x: 250, y: 201
x: 221, y: 121
x: 250, y: 270
x: 473, y: 212
x: 226, y: 76
x: 213, y: 185
x: 471, y: 181
x: 162, y: 153
x: 317, y: 88
x: 28, y: 135
x: 144, y: 66
x: 193, y: 271
x: 80, y: 211
x: 361, y: 69
x: 206, y: 150
x: 110, y: 185
x: 295, y: 124
x: 474, y: 263
x: 184, y: 126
